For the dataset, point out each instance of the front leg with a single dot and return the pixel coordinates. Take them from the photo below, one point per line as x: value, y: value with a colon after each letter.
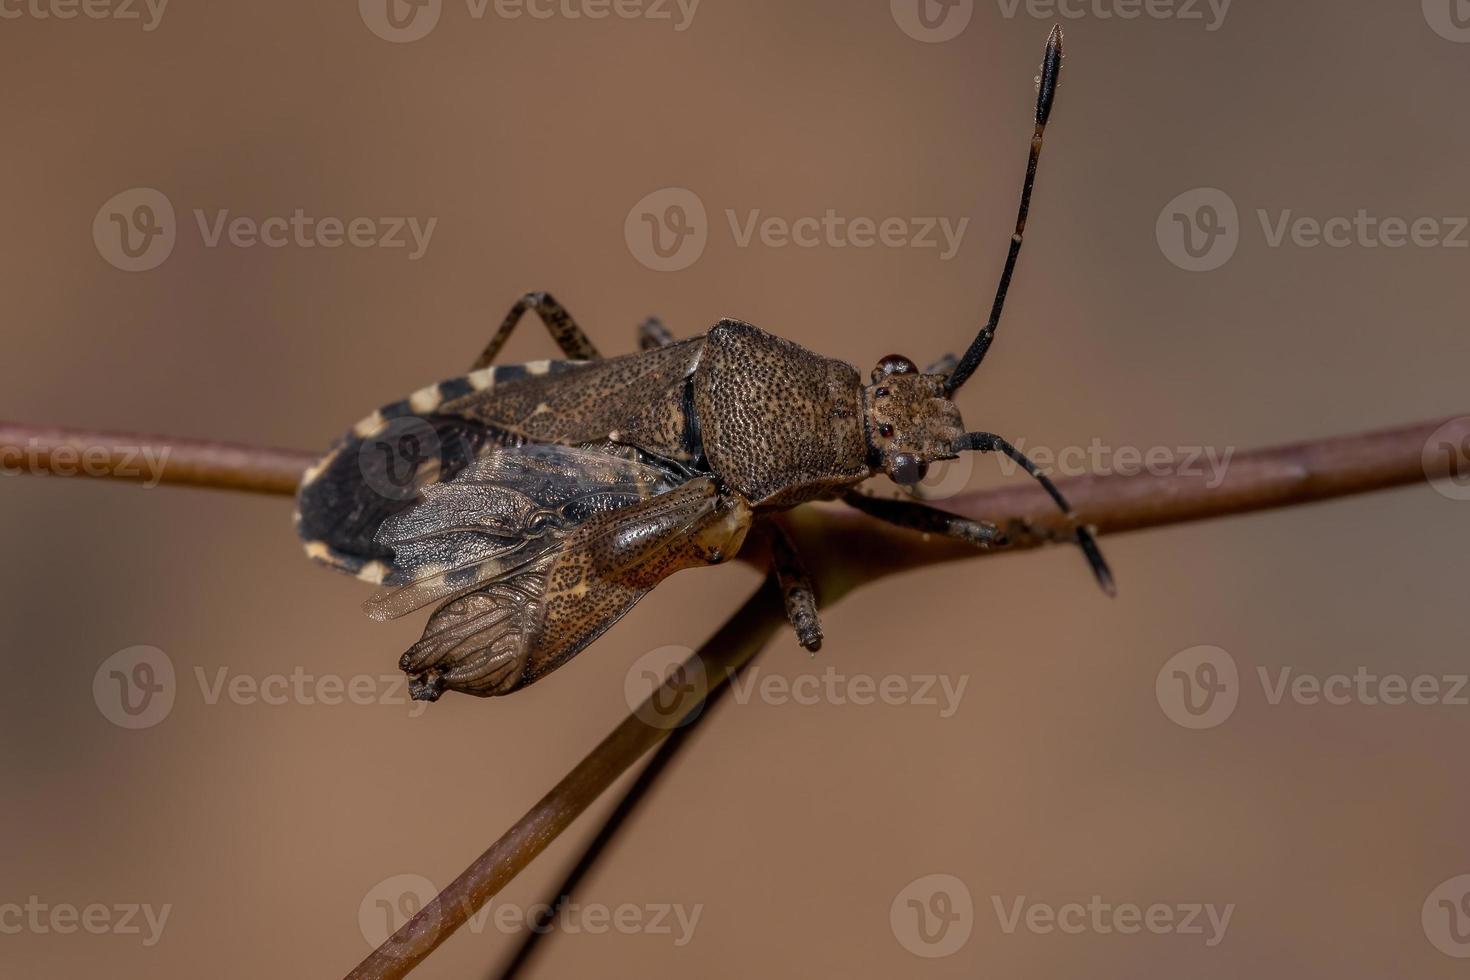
x: 929, y: 520
x: 796, y: 588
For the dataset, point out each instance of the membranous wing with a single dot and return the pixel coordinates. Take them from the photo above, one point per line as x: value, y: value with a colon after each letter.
x: 501, y: 515
x: 546, y: 607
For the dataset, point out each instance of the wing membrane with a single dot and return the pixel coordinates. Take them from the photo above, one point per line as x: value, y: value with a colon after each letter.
x: 501, y: 515
x: 509, y: 632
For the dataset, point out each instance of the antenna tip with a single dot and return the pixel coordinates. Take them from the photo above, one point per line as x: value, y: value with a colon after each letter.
x: 1051, y: 73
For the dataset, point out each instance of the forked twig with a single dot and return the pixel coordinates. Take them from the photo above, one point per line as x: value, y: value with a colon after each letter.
x: 856, y: 550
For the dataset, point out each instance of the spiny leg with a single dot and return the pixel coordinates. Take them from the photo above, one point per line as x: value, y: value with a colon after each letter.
x: 796, y: 588
x: 986, y: 442
x: 928, y: 520
x: 652, y: 334
x: 1051, y: 70
x: 559, y: 323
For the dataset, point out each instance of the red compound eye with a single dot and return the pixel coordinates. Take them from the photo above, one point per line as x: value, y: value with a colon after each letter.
x: 885, y: 430
x: 896, y: 364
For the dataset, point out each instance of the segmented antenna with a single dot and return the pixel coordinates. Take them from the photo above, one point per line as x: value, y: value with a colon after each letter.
x: 1051, y: 73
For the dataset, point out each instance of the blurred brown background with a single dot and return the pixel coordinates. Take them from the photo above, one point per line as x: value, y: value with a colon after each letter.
x: 267, y: 829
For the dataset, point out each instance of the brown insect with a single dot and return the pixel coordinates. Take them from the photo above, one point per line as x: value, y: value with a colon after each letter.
x: 538, y: 502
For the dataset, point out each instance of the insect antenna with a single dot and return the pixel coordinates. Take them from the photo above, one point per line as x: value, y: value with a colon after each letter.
x: 985, y: 442
x: 1051, y: 71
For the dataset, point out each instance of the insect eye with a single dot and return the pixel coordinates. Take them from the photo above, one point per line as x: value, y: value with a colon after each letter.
x: 881, y: 393
x: 885, y: 430
x: 895, y: 364
x: 908, y: 470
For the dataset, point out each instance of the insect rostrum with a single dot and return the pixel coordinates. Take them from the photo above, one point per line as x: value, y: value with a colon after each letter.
x: 539, y: 502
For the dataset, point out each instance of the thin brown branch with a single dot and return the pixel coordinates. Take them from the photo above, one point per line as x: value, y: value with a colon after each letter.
x: 852, y: 549
x: 149, y: 459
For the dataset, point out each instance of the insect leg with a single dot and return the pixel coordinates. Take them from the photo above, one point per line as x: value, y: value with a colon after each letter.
x: 563, y: 329
x: 796, y: 588
x: 652, y: 334
x: 928, y: 520
x: 985, y: 442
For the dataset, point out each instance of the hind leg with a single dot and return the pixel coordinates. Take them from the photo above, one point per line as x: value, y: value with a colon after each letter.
x: 652, y: 334
x: 559, y: 323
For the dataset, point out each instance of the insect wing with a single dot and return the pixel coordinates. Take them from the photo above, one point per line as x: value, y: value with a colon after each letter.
x: 501, y: 515
x: 512, y: 631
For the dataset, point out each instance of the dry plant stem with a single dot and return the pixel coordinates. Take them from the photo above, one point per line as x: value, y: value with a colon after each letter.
x: 60, y: 451
x: 853, y: 550
x: 734, y: 644
x: 636, y: 793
